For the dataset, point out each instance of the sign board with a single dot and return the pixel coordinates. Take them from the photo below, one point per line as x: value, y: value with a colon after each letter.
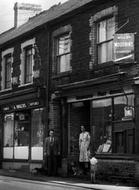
x: 22, y: 106
x: 124, y: 47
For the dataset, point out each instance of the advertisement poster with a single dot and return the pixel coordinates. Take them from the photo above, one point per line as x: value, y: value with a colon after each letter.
x: 124, y: 48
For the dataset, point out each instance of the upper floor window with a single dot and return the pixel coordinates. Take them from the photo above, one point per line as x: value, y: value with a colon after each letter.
x: 105, y: 32
x: 63, y: 53
x: 27, y: 62
x: 103, y: 26
x: 8, y: 74
x: 6, y: 69
x: 28, y: 65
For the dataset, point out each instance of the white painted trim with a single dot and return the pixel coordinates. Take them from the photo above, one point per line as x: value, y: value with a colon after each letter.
x: 27, y: 43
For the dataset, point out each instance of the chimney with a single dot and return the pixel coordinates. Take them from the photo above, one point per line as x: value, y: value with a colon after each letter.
x: 24, y: 11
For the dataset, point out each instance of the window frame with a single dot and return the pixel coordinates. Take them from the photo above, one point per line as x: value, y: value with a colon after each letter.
x: 5, y: 53
x: 99, y: 16
x: 61, y: 31
x: 24, y: 45
x: 29, y: 61
x: 59, y: 55
x: 8, y: 69
x: 106, y: 41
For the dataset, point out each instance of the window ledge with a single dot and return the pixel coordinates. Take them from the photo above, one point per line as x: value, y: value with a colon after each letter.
x: 61, y: 75
x: 24, y: 85
x: 103, y: 65
x: 6, y: 90
x: 124, y: 120
x: 97, y: 66
x: 117, y: 156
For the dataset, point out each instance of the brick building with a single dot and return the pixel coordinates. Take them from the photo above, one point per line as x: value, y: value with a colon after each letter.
x: 88, y: 75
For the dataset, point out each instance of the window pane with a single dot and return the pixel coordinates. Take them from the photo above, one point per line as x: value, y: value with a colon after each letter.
x: 37, y: 135
x: 106, y: 29
x: 8, y: 130
x: 102, y: 126
x: 110, y: 28
x: 64, y: 63
x: 64, y: 45
x: 63, y: 54
x: 37, y: 128
x: 22, y: 126
x: 119, y: 106
x: 8, y: 136
x: 8, y: 65
x: 102, y: 31
x: 102, y: 53
x: 28, y: 65
x: 109, y: 51
x: 119, y: 142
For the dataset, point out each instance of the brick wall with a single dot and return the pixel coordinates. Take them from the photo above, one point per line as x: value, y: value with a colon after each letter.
x: 83, y: 50
x: 116, y: 170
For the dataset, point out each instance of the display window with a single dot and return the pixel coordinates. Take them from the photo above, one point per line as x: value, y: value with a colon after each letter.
x: 37, y: 135
x: 110, y: 122
x: 102, y: 125
x: 8, y: 136
x: 23, y: 131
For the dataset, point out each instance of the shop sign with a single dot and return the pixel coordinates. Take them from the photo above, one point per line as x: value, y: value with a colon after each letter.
x: 21, y: 106
x: 128, y: 112
x: 124, y: 47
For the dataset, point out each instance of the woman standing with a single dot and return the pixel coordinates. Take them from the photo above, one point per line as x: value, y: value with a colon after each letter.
x: 84, y: 145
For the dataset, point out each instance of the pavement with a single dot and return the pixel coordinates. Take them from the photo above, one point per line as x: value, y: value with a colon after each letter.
x: 65, y: 180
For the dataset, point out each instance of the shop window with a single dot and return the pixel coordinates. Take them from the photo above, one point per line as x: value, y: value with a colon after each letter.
x: 122, y: 105
x: 16, y: 136
x: 23, y: 133
x: 123, y: 125
x: 102, y: 125
x: 105, y: 30
x: 21, y: 136
x: 37, y: 135
x: 63, y: 53
x: 8, y: 136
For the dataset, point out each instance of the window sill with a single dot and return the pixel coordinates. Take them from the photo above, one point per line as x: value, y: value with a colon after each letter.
x: 6, y: 90
x: 24, y: 85
x: 97, y: 66
x: 61, y: 75
x: 124, y: 120
x: 117, y: 156
x: 103, y: 65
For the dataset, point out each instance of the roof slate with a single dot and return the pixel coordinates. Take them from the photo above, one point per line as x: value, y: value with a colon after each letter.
x: 42, y: 18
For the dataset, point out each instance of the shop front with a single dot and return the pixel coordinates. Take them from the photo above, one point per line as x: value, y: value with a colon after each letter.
x: 108, y: 113
x: 108, y: 119
x: 23, y: 133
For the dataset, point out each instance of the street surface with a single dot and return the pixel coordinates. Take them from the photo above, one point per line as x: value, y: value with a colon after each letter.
x: 12, y: 183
